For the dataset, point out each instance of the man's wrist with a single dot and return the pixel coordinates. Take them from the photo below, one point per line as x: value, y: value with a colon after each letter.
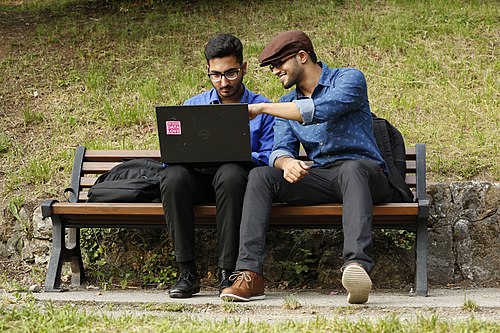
x: 260, y: 108
x: 280, y: 161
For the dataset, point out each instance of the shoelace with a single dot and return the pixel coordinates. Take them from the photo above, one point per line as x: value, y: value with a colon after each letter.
x: 187, y: 275
x: 240, y: 276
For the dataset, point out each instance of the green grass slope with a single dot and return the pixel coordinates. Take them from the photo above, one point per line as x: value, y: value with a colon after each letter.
x: 90, y: 73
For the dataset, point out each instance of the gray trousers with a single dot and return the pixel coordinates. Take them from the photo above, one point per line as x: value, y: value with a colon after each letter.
x: 357, y: 184
x: 183, y: 187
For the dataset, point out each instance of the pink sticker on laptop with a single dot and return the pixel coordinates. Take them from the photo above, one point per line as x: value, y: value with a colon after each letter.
x: 173, y: 127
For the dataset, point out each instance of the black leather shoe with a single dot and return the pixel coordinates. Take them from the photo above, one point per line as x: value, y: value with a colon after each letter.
x: 224, y: 279
x: 186, y: 286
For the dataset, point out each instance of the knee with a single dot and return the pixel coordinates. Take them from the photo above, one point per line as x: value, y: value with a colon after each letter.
x: 352, y: 168
x: 230, y: 176
x: 262, y: 176
x: 174, y: 178
x: 230, y: 173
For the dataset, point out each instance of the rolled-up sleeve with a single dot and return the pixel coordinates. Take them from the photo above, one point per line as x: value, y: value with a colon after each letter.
x: 306, y: 108
x: 277, y: 154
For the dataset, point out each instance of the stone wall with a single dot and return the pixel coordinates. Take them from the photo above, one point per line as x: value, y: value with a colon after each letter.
x: 464, y: 244
x: 464, y: 239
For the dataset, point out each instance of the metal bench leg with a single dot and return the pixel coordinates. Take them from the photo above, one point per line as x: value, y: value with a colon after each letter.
x: 53, y: 279
x: 421, y: 258
x: 63, y: 253
x: 78, y: 272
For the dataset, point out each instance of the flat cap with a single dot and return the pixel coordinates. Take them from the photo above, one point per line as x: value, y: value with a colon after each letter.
x: 284, y: 44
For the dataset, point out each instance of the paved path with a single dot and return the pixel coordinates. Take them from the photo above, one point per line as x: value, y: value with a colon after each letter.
x: 284, y: 305
x: 445, y: 298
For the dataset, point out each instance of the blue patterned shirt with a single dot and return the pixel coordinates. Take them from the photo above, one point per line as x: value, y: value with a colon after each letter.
x: 337, y: 122
x: 261, y: 127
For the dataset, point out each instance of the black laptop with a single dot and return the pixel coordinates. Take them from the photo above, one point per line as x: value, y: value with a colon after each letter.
x: 204, y: 135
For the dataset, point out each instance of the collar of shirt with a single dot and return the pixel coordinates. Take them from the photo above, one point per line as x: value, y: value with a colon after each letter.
x: 324, y: 80
x: 215, y: 99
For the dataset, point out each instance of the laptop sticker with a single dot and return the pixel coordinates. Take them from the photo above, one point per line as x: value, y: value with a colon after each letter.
x: 174, y: 127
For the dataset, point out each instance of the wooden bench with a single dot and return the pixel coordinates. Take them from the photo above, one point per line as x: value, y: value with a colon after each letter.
x: 69, y: 217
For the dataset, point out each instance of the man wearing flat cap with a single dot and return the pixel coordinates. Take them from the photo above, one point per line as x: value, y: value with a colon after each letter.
x: 329, y: 114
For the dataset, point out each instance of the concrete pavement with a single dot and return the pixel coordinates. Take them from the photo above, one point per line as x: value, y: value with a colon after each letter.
x: 284, y: 305
x: 444, y: 298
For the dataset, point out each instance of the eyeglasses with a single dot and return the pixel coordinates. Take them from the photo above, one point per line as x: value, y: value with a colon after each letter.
x: 278, y: 63
x: 231, y: 75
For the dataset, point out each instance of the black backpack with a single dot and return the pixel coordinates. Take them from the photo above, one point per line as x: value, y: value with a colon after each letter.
x: 135, y: 180
x: 392, y: 146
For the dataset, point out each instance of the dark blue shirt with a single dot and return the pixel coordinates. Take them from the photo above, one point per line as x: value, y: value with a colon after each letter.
x: 261, y: 127
x: 337, y: 122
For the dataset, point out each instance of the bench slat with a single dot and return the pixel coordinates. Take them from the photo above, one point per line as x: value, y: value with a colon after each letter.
x: 156, y: 209
x: 106, y: 215
x: 98, y: 167
x: 87, y: 182
x: 101, y: 167
x: 119, y: 155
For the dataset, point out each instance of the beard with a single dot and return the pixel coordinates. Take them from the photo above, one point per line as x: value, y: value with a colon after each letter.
x: 229, y: 90
x: 289, y: 81
x: 288, y: 84
x: 291, y: 78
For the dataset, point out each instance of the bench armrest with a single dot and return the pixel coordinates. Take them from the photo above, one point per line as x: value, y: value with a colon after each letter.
x: 47, y: 207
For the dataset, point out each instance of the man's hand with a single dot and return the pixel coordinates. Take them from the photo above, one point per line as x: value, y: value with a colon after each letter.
x: 293, y: 170
x: 254, y: 110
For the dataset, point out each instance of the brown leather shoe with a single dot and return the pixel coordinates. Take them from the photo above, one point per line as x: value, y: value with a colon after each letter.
x: 247, y: 286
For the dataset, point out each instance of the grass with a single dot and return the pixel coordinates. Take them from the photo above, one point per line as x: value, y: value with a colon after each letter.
x: 232, y: 307
x: 28, y: 315
x: 470, y: 305
x: 291, y: 303
x: 90, y: 72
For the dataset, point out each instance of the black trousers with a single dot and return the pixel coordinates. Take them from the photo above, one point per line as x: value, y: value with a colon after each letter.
x: 355, y: 183
x: 183, y: 187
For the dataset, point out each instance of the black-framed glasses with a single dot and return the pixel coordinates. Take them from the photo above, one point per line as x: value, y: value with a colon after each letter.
x: 278, y: 63
x: 231, y: 75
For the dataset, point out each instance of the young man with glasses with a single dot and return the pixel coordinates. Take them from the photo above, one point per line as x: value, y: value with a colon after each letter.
x: 329, y: 114
x: 183, y: 186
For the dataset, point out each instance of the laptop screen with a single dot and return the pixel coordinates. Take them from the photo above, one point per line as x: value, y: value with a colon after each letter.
x: 204, y: 134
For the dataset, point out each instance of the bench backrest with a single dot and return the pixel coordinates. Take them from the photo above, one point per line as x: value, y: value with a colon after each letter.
x: 89, y: 164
